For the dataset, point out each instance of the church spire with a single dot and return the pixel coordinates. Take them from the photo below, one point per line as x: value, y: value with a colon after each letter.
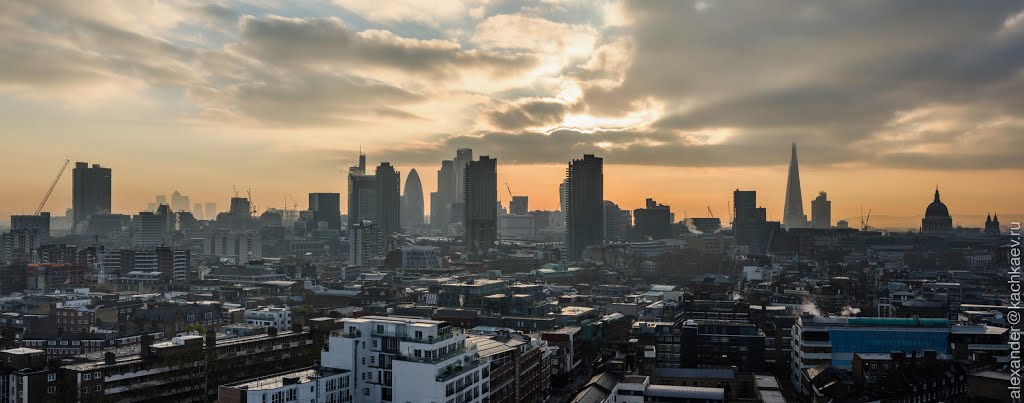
x: 936, y: 193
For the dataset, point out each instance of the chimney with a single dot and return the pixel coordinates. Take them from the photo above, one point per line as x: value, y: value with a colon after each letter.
x: 211, y: 338
x: 108, y: 357
x: 145, y: 344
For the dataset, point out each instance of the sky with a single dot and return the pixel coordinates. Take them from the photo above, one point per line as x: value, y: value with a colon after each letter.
x: 685, y: 100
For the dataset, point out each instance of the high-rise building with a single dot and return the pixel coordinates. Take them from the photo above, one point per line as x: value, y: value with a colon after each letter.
x: 563, y: 200
x: 408, y: 360
x: 241, y: 207
x: 362, y: 194
x: 749, y: 221
x: 389, y: 206
x: 480, y: 204
x: 654, y: 221
x: 441, y: 204
x: 793, y: 214
x: 326, y: 207
x: 821, y: 211
x: 520, y: 205
x: 366, y: 243
x: 462, y: 158
x: 179, y: 202
x: 585, y: 205
x: 197, y: 211
x: 617, y: 222
x: 412, y: 202
x: 90, y: 191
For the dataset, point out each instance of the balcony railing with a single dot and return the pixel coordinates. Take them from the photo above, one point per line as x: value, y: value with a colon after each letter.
x: 404, y: 336
x: 406, y: 357
x: 459, y: 370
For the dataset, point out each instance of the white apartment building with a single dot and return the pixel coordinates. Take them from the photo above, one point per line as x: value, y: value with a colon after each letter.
x: 396, y: 359
x: 279, y: 317
x: 314, y: 385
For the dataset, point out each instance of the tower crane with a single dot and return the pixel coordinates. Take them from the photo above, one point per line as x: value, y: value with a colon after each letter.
x: 710, y: 213
x: 252, y: 205
x: 295, y: 204
x: 509, y: 191
x: 52, y: 185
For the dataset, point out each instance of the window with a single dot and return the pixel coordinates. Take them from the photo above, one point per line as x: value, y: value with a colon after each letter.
x: 98, y: 375
x: 51, y: 389
x: 99, y: 388
x: 51, y: 377
x: 87, y: 376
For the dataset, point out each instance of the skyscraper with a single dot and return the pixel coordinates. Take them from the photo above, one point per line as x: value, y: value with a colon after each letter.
x: 793, y: 214
x: 179, y: 202
x: 520, y: 205
x: 240, y: 207
x: 441, y: 204
x: 197, y: 211
x: 412, y: 202
x: 585, y: 204
x: 821, y: 211
x: 90, y: 191
x: 616, y: 222
x: 462, y: 158
x: 480, y: 204
x: 362, y: 194
x: 389, y: 207
x: 326, y: 207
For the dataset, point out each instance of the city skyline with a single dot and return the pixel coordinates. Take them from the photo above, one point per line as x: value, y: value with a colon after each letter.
x: 279, y: 98
x: 901, y: 211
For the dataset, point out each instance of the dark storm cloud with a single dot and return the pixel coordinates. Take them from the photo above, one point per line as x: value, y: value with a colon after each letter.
x: 528, y: 113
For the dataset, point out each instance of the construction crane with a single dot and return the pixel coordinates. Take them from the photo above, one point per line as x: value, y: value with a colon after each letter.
x: 864, y: 221
x: 509, y: 191
x: 52, y: 185
x: 252, y: 205
x: 235, y: 189
x: 867, y: 221
x: 710, y: 213
x: 295, y: 204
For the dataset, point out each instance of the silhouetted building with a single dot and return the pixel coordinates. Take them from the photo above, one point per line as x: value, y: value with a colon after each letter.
x: 616, y: 222
x: 821, y: 211
x: 148, y: 229
x: 585, y: 205
x: 992, y: 225
x: 519, y: 205
x: 749, y: 221
x: 462, y: 158
x: 793, y: 214
x: 412, y: 201
x: 480, y: 202
x: 240, y: 207
x: 90, y: 191
x: 326, y: 207
x: 441, y: 201
x: 179, y: 202
x: 936, y: 217
x: 362, y: 194
x: 210, y: 211
x: 38, y: 224
x: 654, y: 221
x: 388, y: 199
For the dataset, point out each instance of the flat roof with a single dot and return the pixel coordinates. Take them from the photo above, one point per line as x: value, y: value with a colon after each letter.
x: 277, y: 380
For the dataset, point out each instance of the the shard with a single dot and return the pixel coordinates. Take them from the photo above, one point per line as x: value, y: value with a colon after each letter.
x: 793, y: 215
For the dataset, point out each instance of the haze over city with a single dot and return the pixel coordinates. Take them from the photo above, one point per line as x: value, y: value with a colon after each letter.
x: 886, y: 100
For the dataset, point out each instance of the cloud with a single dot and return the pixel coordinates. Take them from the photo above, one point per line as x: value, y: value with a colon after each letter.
x: 528, y: 113
x: 433, y: 13
x: 317, y: 41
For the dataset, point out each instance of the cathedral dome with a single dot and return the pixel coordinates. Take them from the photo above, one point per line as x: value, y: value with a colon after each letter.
x: 937, y: 208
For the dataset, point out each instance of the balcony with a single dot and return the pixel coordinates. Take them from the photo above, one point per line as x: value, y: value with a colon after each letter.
x: 403, y: 336
x: 459, y: 370
x: 435, y: 360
